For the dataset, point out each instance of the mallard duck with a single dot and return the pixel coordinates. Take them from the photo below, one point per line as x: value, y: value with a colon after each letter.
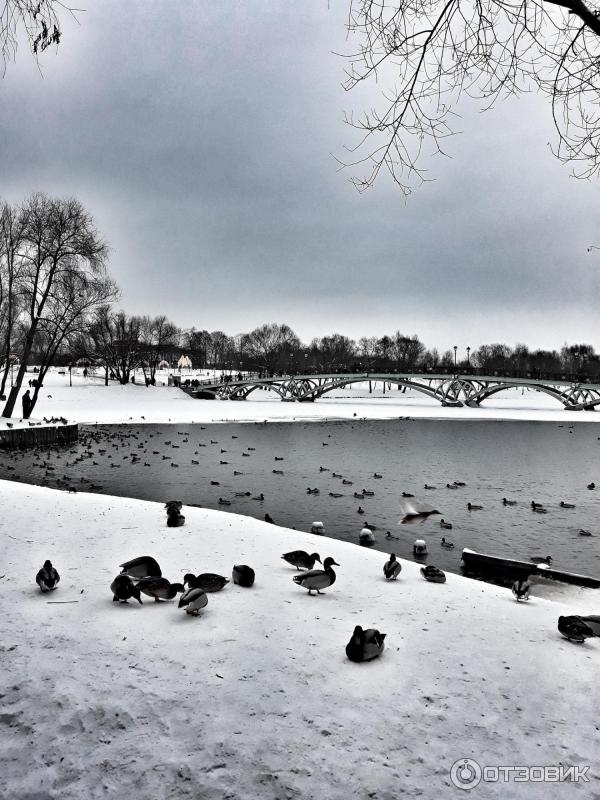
x: 541, y: 560
x: 407, y: 494
x: 392, y: 568
x: 583, y: 532
x: 428, y: 486
x: 207, y: 581
x: 335, y: 494
x: 591, y: 485
x: 159, y: 588
x: 278, y: 458
x: 575, y: 629
x: 506, y: 502
x: 336, y: 475
x: 377, y: 475
x: 446, y: 525
x: 317, y: 579
x: 47, y: 577
x: 141, y: 567
x: 242, y: 494
x: 215, y: 483
x: 451, y: 486
x: 360, y: 510
x: 413, y: 514
x: 520, y: 589
x: 365, y: 645
x: 277, y: 472
x: 301, y: 559
x: 359, y: 495
x: 193, y: 601
x: 433, y: 574
x: 473, y: 507
x: 259, y: 497
x: 346, y: 482
x: 459, y: 483
x: 566, y: 505
x: 540, y: 510
x: 323, y: 469
x: 123, y: 588
x: 223, y: 502
x: 446, y: 544
x: 368, y: 493
x: 242, y: 575
x: 312, y: 491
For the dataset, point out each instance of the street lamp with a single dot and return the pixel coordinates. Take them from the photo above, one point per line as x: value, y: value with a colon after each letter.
x: 468, y: 356
x: 455, y: 349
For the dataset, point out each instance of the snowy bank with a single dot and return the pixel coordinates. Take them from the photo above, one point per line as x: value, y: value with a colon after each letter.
x: 89, y: 401
x: 256, y: 698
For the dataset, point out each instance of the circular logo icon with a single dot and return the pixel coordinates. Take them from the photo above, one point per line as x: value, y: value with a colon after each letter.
x: 465, y: 773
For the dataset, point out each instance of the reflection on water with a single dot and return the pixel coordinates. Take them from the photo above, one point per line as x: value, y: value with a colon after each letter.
x: 523, y: 461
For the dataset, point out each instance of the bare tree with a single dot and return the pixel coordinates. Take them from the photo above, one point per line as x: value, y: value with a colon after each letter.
x: 156, y: 335
x: 116, y: 342
x: 38, y: 20
x: 271, y: 345
x: 12, y: 229
x: 60, y: 242
x: 425, y: 54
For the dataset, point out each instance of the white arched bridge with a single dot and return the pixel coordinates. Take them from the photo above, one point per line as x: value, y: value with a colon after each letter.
x: 449, y: 390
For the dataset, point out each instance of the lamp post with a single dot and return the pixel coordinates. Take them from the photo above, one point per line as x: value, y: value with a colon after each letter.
x: 455, y: 349
x: 468, y: 356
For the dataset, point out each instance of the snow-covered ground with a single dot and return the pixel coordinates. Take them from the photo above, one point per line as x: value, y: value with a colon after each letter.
x: 88, y: 400
x: 255, y: 698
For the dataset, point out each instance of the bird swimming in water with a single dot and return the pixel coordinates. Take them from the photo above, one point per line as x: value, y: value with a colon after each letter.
x: 243, y: 575
x: 259, y: 497
x: 360, y: 510
x: 446, y: 525
x: 377, y: 475
x: 317, y: 579
x: 566, y: 505
x: 207, y: 581
x: 335, y: 494
x: 223, y: 502
x: 141, y: 567
x: 413, y: 514
x: 269, y: 518
x: 540, y: 560
x: 365, y: 645
x: 575, y: 629
x: 520, y: 589
x: 407, y: 494
x: 428, y: 486
x: 392, y: 568
x: 506, y: 502
x: 123, y: 588
x: 47, y: 577
x: 193, y: 601
x: 583, y: 532
x: 433, y: 574
x: 301, y: 559
x: 159, y: 588
x: 447, y: 545
x: 451, y: 486
x: 473, y: 507
x: 591, y: 485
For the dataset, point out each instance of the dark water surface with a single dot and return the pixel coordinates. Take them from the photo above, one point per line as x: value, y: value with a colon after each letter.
x: 523, y: 461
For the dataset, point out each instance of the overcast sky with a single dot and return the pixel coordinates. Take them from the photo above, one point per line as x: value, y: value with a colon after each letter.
x: 200, y: 136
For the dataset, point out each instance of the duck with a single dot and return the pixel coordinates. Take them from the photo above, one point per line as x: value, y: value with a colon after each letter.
x: 506, y: 502
x: 359, y: 495
x: 277, y: 472
x: 346, y: 482
x: 591, y: 485
x: 392, y: 568
x: 123, y: 588
x: 459, y: 483
x: 237, y: 472
x: 365, y: 645
x: 215, y: 483
x: 377, y: 475
x: 446, y: 525
x: 520, y: 589
x: 269, y: 518
x: 317, y: 579
x: 141, y: 567
x: 301, y: 559
x: 388, y: 535
x: 447, y: 545
x: 407, y: 494
x: 540, y: 510
x: 451, y: 486
x: 360, y: 510
x: 583, y: 532
x: 368, y: 493
x: 223, y: 502
x: 335, y: 494
x: 428, y: 486
x: 323, y: 469
x: 207, y: 581
x: 259, y: 497
x: 243, y: 575
x: 278, y: 458
x: 47, y: 577
x: 540, y: 560
x: 566, y: 505
x: 336, y: 475
x: 433, y: 574
x: 242, y: 494
x: 412, y: 514
x: 575, y: 629
x: 159, y: 588
x: 312, y: 491
x: 193, y: 601
x: 473, y: 507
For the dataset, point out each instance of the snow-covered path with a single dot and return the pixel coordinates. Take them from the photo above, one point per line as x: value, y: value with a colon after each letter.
x: 255, y: 698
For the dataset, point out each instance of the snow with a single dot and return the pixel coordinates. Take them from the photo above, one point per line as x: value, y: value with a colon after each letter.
x: 255, y: 698
x: 89, y: 401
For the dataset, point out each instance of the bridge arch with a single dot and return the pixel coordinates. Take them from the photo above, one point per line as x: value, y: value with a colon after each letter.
x: 488, y: 391
x: 319, y: 391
